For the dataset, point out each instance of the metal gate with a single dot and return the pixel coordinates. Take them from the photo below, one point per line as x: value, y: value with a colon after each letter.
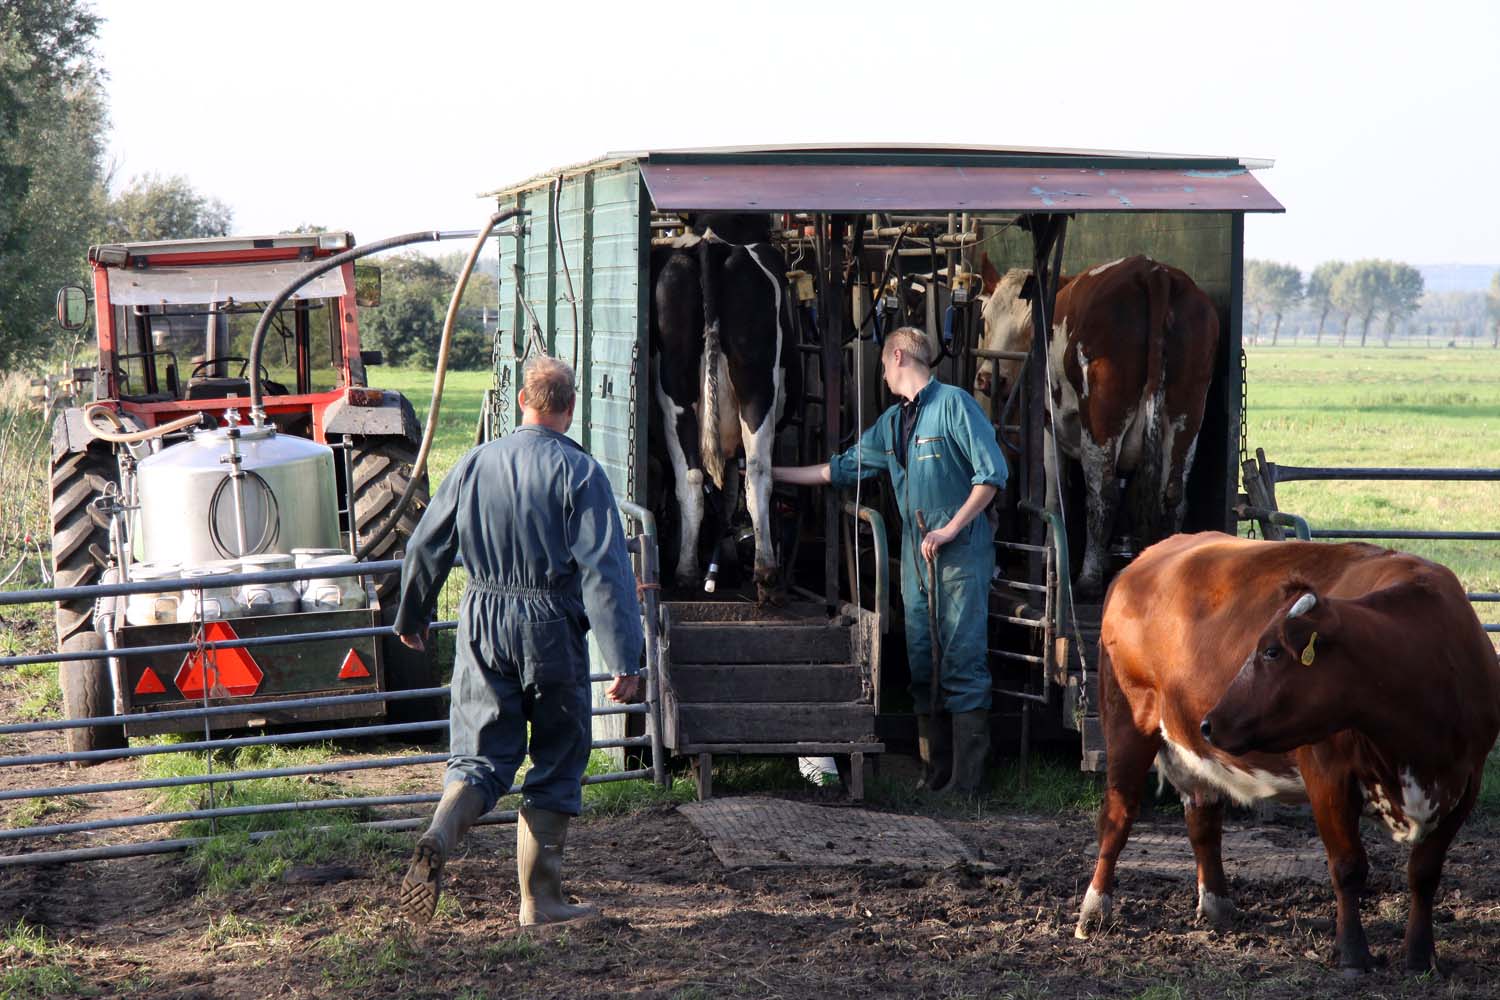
x: 35, y: 844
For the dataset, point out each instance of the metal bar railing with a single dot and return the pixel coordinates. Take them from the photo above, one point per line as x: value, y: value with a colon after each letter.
x: 1303, y: 473
x: 882, y: 561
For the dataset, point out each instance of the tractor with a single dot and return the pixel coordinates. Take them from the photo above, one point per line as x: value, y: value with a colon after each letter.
x: 161, y: 477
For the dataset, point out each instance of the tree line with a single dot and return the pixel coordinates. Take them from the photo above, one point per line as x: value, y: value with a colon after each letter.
x: 1338, y: 295
x: 58, y: 195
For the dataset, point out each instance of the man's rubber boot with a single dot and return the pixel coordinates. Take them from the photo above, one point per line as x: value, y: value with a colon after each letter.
x: 461, y: 804
x: 540, y: 837
x: 971, y: 752
x: 935, y: 747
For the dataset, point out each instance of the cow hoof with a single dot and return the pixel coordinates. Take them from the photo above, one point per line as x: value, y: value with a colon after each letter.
x: 1093, y: 913
x: 1088, y: 589
x: 1216, y: 911
x: 769, y: 595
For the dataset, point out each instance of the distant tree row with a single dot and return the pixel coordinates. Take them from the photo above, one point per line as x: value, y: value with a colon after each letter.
x: 1361, y: 292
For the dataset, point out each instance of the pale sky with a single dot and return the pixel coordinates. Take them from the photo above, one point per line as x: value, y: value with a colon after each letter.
x: 382, y: 117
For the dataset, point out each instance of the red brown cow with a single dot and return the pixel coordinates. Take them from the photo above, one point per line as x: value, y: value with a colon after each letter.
x: 1131, y: 359
x: 1351, y: 676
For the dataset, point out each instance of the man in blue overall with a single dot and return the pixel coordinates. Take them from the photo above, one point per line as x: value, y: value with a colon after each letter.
x: 944, y: 461
x: 541, y: 539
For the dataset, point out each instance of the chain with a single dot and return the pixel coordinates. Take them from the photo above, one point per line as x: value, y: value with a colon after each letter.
x: 635, y: 356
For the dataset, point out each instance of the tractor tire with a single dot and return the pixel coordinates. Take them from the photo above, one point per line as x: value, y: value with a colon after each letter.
x: 88, y: 692
x: 80, y: 545
x: 382, y: 467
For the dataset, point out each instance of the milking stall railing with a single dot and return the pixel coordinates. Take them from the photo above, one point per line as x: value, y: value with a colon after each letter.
x: 643, y: 553
x: 1262, y: 477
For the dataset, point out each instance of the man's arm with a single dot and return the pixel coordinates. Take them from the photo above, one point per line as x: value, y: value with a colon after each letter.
x: 597, y: 541
x: 429, y: 558
x: 802, y: 475
x: 979, y: 498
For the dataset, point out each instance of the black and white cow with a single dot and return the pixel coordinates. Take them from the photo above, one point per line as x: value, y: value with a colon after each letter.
x: 723, y: 357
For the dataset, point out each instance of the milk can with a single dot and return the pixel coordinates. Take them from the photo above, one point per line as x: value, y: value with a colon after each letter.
x: 219, y: 601
x: 268, y: 598
x: 333, y: 593
x: 301, y: 557
x: 153, y: 609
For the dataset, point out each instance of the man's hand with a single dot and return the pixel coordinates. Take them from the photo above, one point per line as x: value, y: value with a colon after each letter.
x: 415, y: 640
x: 627, y: 689
x: 936, y: 539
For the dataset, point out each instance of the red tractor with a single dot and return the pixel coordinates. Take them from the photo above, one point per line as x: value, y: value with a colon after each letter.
x: 161, y: 478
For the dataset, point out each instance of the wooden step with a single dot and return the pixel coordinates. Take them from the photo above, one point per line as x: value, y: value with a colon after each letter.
x: 775, y: 722
x: 1092, y: 740
x: 760, y: 643
x: 757, y: 682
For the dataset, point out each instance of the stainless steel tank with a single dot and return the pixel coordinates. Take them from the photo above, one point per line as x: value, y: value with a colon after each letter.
x: 188, y: 499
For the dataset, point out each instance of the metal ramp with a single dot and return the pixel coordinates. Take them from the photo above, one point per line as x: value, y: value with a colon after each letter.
x: 737, y: 679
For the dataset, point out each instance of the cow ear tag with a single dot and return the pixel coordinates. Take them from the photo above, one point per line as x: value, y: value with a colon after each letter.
x: 1308, y: 652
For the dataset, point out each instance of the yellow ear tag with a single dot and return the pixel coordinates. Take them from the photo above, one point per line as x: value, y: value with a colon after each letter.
x: 1307, y: 653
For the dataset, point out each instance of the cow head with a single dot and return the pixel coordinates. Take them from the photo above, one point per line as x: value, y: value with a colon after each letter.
x: 1289, y: 692
x: 1007, y: 327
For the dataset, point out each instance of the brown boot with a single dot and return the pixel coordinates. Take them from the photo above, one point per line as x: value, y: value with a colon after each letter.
x: 971, y: 751
x: 540, y: 837
x: 461, y: 804
x: 935, y: 747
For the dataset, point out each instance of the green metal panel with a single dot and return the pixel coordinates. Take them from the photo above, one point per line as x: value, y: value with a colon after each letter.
x: 605, y: 245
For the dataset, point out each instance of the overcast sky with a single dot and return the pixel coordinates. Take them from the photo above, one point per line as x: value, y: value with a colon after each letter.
x: 383, y: 117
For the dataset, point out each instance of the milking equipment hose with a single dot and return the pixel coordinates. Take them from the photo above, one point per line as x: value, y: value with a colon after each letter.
x: 257, y: 343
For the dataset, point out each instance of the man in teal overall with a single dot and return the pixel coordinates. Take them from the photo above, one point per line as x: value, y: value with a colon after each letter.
x: 943, y: 460
x: 536, y: 522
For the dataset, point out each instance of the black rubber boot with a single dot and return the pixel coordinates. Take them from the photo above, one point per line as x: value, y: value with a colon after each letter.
x: 935, y: 747
x: 971, y: 752
x: 540, y: 837
x: 460, y: 806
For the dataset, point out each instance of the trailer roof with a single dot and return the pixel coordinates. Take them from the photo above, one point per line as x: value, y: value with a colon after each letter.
x: 908, y: 178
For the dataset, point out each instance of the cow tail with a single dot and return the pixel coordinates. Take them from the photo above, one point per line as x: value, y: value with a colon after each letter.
x: 1154, y: 462
x: 710, y: 444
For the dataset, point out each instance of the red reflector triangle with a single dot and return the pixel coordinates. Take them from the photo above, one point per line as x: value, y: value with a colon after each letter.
x: 353, y: 667
x: 230, y: 672
x: 149, y: 683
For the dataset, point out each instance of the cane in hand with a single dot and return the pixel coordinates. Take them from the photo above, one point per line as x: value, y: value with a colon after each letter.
x: 939, y: 717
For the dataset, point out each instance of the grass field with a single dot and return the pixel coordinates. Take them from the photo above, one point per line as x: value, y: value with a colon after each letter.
x: 1376, y: 407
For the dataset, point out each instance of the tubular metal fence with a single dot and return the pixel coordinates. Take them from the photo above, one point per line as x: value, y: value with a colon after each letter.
x: 1262, y: 478
x: 44, y: 779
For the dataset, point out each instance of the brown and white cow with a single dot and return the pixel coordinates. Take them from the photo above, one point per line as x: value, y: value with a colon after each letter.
x: 1351, y: 676
x: 1130, y: 358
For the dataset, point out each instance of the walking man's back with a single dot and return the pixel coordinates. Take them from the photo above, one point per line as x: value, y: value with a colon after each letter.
x: 535, y: 520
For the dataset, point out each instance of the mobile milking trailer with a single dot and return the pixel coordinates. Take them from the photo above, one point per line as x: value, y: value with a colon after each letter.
x: 873, y: 236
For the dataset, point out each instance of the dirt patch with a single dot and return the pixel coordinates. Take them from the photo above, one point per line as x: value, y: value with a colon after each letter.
x: 679, y: 923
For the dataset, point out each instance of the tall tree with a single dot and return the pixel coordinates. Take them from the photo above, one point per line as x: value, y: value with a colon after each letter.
x: 158, y: 208
x: 1256, y: 293
x: 52, y: 127
x: 1319, y: 293
x: 1283, y: 289
x: 1360, y: 290
x: 1402, y: 294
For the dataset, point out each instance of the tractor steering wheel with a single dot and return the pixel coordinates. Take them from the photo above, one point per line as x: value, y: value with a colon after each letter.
x: 198, y: 368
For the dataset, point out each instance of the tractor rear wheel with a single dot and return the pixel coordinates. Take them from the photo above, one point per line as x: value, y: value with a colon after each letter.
x: 80, y: 551
x: 382, y: 469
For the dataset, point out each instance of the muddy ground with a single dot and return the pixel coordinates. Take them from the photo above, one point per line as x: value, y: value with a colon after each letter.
x: 679, y: 924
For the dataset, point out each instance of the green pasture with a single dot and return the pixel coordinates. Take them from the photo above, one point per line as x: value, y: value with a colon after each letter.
x: 1387, y: 407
